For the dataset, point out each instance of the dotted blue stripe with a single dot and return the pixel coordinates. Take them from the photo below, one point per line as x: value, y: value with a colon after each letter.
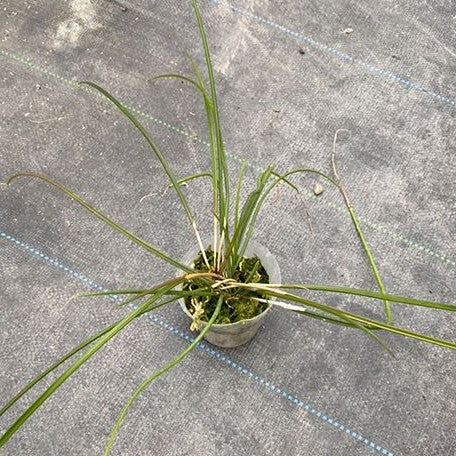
x: 203, y: 346
x: 341, y: 55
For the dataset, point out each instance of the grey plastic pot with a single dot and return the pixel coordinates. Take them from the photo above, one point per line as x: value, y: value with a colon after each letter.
x: 235, y: 334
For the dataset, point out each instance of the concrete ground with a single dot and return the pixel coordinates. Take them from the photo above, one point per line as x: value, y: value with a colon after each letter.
x: 289, y: 74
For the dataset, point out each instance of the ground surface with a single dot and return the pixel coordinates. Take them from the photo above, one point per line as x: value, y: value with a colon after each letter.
x: 290, y: 74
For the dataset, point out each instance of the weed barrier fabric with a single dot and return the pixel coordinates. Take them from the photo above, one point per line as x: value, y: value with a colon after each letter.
x: 289, y: 76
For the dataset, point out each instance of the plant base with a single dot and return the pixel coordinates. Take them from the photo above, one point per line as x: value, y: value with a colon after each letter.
x: 235, y: 334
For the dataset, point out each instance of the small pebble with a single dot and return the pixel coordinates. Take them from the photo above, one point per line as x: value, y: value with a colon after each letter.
x: 318, y: 189
x: 348, y: 31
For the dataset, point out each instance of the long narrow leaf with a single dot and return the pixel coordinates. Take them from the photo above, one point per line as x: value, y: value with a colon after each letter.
x: 368, y: 294
x: 224, y: 195
x: 236, y: 248
x: 298, y: 309
x: 54, y: 366
x: 359, y: 319
x: 158, y: 154
x: 375, y: 271
x: 103, y: 218
x: 185, y: 179
x: 338, y: 184
x: 86, y: 356
x: 327, y: 319
x: 91, y: 294
x: 71, y: 353
x: 149, y: 140
x: 178, y: 293
x: 238, y: 193
x: 164, y: 369
x: 217, y: 188
x: 177, y: 76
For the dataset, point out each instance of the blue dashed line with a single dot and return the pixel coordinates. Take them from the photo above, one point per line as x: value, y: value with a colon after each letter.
x: 203, y: 346
x: 355, y: 61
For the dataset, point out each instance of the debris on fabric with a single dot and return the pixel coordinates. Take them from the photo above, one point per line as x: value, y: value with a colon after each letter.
x: 318, y: 189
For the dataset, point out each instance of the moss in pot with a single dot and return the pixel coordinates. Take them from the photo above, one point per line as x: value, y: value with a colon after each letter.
x: 219, y: 273
x: 242, y: 311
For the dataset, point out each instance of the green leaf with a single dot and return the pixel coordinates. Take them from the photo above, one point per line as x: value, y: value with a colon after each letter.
x: 335, y: 321
x: 223, y: 177
x: 166, y: 286
x: 54, y: 366
x: 164, y: 369
x: 91, y: 294
x: 337, y: 183
x: 158, y: 154
x: 73, y: 352
x: 371, y: 294
x: 138, y: 291
x: 238, y: 193
x: 151, y: 143
x: 183, y: 180
x: 103, y: 218
x: 177, y: 76
x: 246, y: 222
x: 367, y: 322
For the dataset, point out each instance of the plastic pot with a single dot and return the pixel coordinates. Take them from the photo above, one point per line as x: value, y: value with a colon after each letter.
x: 234, y: 334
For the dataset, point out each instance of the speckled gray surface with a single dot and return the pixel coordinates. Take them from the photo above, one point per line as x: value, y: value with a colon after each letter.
x: 289, y: 75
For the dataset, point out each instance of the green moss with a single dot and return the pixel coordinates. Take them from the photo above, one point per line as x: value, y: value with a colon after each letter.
x: 238, y: 303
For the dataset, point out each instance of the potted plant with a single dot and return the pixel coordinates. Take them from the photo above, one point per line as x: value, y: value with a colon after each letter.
x: 226, y: 283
